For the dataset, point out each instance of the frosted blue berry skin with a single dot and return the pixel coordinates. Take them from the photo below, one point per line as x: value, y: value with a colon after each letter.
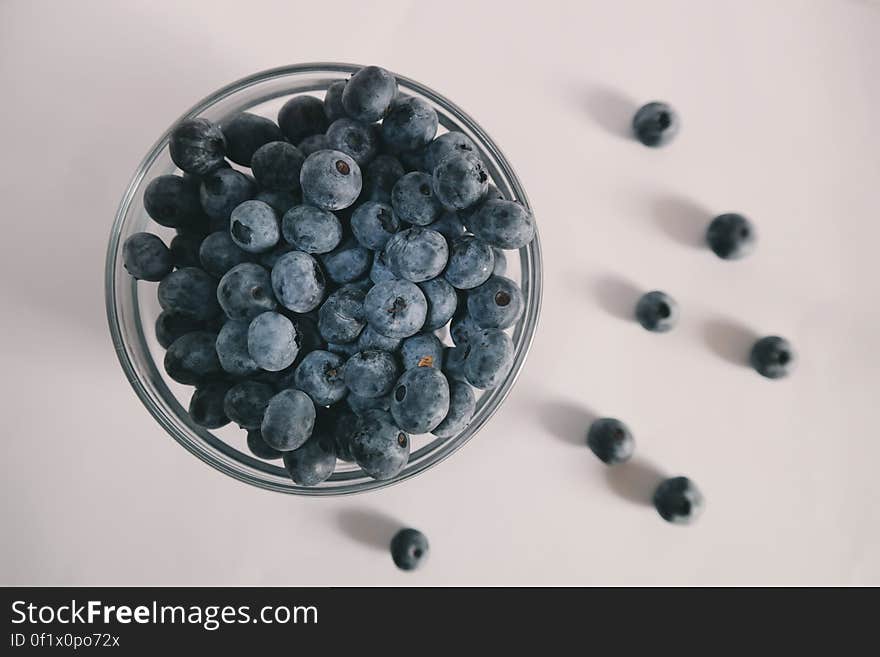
x: 409, y: 549
x: 731, y: 236
x: 173, y: 202
x: 442, y: 303
x: 396, y: 308
x: 184, y: 249
x: 314, y: 461
x: 772, y: 357
x: 259, y: 447
x: 206, y: 405
x: 503, y: 224
x: 272, y: 341
x: 341, y: 317
x: 370, y: 338
x: 471, y: 262
x: 496, y: 304
x: 330, y: 180
x: 197, y: 146
x: 361, y: 405
x: 379, y: 446
x: 657, y: 312
x: 410, y: 124
x: 224, y: 190
x: 190, y: 292
x: 461, y: 409
x: 218, y: 254
x: 656, y: 124
x: 348, y: 262
x: 356, y: 139
x: 420, y: 399
x: 312, y: 144
x: 170, y: 326
x: 421, y: 350
x: 245, y: 403
x: 301, y: 117
x: 610, y: 440
x: 417, y: 254
x: 245, y: 291
x: 413, y: 200
x: 146, y: 257
x: 192, y: 358
x: 368, y: 95
x: 232, y: 349
x: 453, y: 362
x: 445, y: 145
x: 298, y: 282
x: 277, y: 166
x: 371, y: 373
x: 245, y: 133
x: 492, y: 194
x: 379, y: 178
x: 489, y: 360
x: 379, y: 270
x: 678, y: 501
x: 373, y: 224
x: 460, y: 181
x: 288, y: 420
x: 254, y: 227
x: 311, y: 229
x: 333, y: 108
x: 320, y: 376
x: 450, y: 225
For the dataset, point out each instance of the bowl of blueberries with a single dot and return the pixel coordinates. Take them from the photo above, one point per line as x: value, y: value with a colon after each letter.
x: 323, y: 279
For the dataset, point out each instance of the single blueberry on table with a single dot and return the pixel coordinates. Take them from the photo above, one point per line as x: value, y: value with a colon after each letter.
x: 218, y: 254
x: 314, y: 461
x: 359, y: 140
x: 373, y: 224
x: 505, y: 224
x: 146, y: 257
x: 232, y: 349
x: 489, y: 360
x: 320, y: 376
x: 657, y: 311
x: 371, y: 373
x: 422, y: 350
x: 192, y: 358
x: 206, y: 405
x: 246, y: 402
x: 460, y: 181
x: 272, y: 341
x: 197, y: 146
x: 446, y: 145
x: 224, y: 190
x: 259, y: 447
x: 298, y: 282
x: 170, y: 326
x: 498, y: 303
x: 500, y: 267
x: 449, y: 225
x: 420, y: 399
x: 410, y: 124
x: 461, y: 409
x: 312, y: 144
x: 442, y: 303
x: 379, y: 447
x: 333, y: 108
x: 772, y: 357
x: 302, y: 116
x: 471, y: 262
x: 371, y: 339
x: 396, y: 308
x: 330, y: 180
x: 184, y: 249
x: 379, y: 270
x: 610, y: 440
x: 731, y: 236
x: 678, y: 501
x: 245, y: 133
x: 277, y: 165
x: 655, y: 124
x: 409, y: 549
x: 361, y: 405
x: 368, y: 95
x: 311, y: 229
x: 288, y: 420
x: 417, y: 254
x: 413, y: 199
x: 341, y: 318
x: 348, y: 262
x: 173, y: 202
x: 245, y: 291
x: 189, y: 291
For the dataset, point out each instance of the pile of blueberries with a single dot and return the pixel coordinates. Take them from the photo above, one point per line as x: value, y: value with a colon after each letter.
x: 302, y: 299
x: 730, y: 236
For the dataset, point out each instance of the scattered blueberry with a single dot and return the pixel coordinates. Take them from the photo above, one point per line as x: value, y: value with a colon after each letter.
x: 446, y: 145
x: 655, y: 124
x: 772, y: 357
x: 657, y: 311
x: 189, y: 291
x: 288, y: 420
x: 197, y: 146
x: 422, y: 350
x: 272, y: 341
x: 417, y: 254
x: 320, y: 376
x: 311, y: 229
x: 731, y: 236
x: 298, y: 282
x: 471, y: 262
x: 245, y: 133
x: 302, y: 116
x: 610, y: 440
x: 379, y: 447
x: 313, y: 462
x: 490, y: 358
x: 410, y: 124
x: 259, y: 447
x: 371, y: 373
x: 192, y: 358
x: 222, y: 191
x: 341, y: 317
x: 413, y: 199
x: 497, y: 303
x: 245, y: 291
x: 246, y: 402
x: 396, y: 308
x: 409, y: 549
x: 359, y: 140
x: 146, y: 257
x: 505, y: 224
x: 348, y: 262
x: 373, y: 224
x: 218, y: 254
x: 173, y: 202
x: 678, y: 501
x: 232, y: 349
x: 368, y: 95
x: 460, y: 180
x: 331, y: 180
x: 420, y: 399
x: 206, y: 405
x: 277, y: 165
x: 461, y: 409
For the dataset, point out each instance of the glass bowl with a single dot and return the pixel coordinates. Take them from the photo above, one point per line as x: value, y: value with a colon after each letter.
x: 132, y: 306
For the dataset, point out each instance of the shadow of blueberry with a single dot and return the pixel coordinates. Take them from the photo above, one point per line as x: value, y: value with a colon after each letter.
x: 729, y: 340
x: 610, y: 109
x: 369, y: 527
x: 617, y: 296
x: 635, y: 481
x: 682, y: 220
x: 567, y: 421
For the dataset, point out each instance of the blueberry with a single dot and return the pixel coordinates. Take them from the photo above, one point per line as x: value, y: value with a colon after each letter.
x: 610, y: 440
x: 197, y: 146
x: 330, y: 180
x: 342, y: 423
x: 173, y: 202
x: 189, y: 291
x: 170, y: 326
x: 413, y: 199
x: 246, y: 402
x: 655, y: 124
x: 223, y: 191
x: 678, y: 501
x: 308, y: 336
x: 449, y: 225
x: 460, y: 180
x: 288, y: 421
x: 505, y: 224
x: 409, y: 549
x: 490, y: 358
x: 492, y: 194
x: 368, y: 95
x: 396, y: 308
x: 410, y: 124
x: 206, y: 405
x: 281, y: 202
x: 270, y: 258
x: 272, y: 341
x: 454, y: 359
x: 359, y: 140
x: 184, y: 249
x: 302, y: 116
x: 146, y: 257
x: 379, y: 270
x: 313, y: 462
x: 277, y: 165
x: 731, y: 236
x: 380, y: 176
x: 333, y: 108
x: 445, y: 145
x: 311, y: 229
x: 254, y: 227
x: 471, y: 261
x: 461, y: 410
x: 500, y: 267
x: 417, y: 254
x: 312, y: 144
x: 259, y: 447
x: 379, y: 447
x: 420, y: 399
x: 319, y: 375
x: 192, y: 358
x: 245, y: 133
x: 218, y: 254
x: 232, y: 349
x: 348, y: 262
x: 413, y: 160
x: 422, y: 350
x: 371, y: 373
x: 772, y: 357
x: 361, y: 405
x: 657, y: 311
x: 463, y: 328
x: 345, y: 349
x: 245, y: 291
x: 341, y: 317
x: 497, y: 303
x: 298, y: 282
x: 442, y: 302
x: 373, y: 224
x: 370, y: 339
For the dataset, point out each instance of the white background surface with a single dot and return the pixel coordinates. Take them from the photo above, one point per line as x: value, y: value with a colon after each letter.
x: 779, y: 103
